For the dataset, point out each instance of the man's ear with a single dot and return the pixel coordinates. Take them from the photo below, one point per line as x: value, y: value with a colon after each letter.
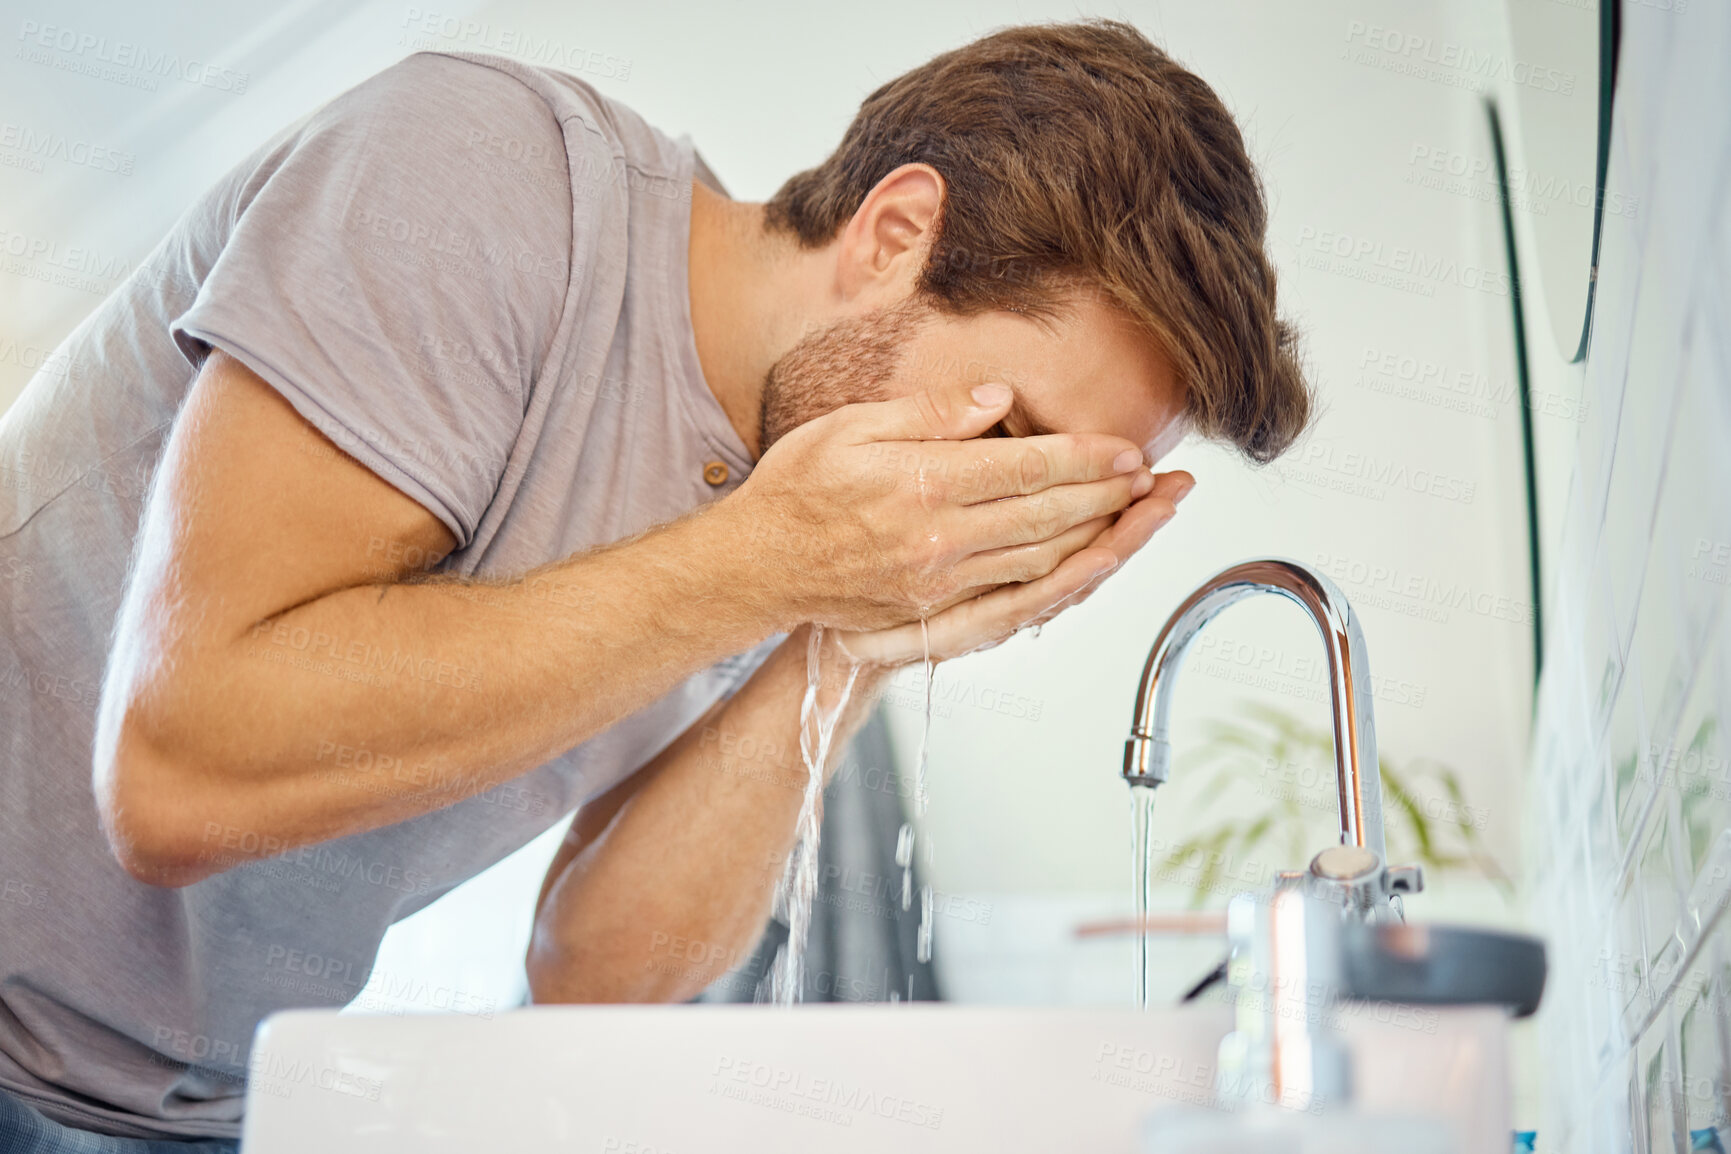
x: 883, y: 249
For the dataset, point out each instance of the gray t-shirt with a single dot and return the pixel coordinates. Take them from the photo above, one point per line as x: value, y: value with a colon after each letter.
x: 471, y: 275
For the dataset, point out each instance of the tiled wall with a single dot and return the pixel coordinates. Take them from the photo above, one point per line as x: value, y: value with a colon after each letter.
x: 1629, y: 827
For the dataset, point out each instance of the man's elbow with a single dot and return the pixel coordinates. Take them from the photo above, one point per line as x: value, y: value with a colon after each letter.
x: 600, y: 975
x: 154, y: 853
x: 155, y: 827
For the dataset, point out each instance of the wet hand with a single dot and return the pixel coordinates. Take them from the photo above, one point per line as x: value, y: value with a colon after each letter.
x: 875, y: 514
x: 994, y: 616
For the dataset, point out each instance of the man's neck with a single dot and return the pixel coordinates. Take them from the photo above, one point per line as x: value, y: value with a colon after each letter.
x: 745, y: 303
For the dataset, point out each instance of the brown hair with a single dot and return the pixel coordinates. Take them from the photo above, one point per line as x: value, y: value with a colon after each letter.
x: 1080, y: 156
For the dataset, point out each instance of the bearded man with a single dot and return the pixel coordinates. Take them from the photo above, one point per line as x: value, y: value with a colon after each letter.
x: 465, y: 456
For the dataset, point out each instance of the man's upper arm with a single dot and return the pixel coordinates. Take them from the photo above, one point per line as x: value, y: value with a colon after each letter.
x: 396, y: 283
x: 253, y: 512
x: 262, y: 512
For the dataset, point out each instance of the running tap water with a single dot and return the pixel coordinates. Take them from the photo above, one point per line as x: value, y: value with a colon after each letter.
x: 1353, y: 872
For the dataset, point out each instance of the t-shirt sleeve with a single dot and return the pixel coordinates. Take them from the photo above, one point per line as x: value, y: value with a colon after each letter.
x: 397, y: 273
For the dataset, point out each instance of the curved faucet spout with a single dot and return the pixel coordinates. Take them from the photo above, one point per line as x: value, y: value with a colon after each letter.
x: 1148, y: 753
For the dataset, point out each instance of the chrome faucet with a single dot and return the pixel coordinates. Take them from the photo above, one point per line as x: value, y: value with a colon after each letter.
x: 1355, y: 871
x: 1286, y: 961
x: 1330, y: 934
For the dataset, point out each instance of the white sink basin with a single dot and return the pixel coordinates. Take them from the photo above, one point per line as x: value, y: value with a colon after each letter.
x: 691, y: 1079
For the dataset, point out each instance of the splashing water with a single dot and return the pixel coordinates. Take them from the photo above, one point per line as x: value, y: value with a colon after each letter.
x: 923, y: 945
x: 1141, y: 877
x: 920, y: 797
x: 798, y: 886
x: 905, y: 859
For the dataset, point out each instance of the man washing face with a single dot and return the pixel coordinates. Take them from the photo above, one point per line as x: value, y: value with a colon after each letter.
x: 495, y: 455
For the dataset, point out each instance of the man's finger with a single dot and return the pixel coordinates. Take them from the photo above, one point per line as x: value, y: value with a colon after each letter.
x: 989, y: 469
x: 1039, y: 516
x: 989, y: 619
x: 1136, y: 524
x: 1000, y: 613
x: 984, y: 621
x: 999, y: 467
x: 1132, y: 529
x: 952, y: 414
x: 1015, y: 564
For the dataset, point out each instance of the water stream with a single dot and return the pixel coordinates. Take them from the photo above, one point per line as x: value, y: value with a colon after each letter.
x: 905, y: 839
x: 1141, y: 811
x: 798, y: 886
x: 784, y: 983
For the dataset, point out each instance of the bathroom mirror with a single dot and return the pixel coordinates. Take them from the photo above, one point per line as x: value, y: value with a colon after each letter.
x: 1560, y: 71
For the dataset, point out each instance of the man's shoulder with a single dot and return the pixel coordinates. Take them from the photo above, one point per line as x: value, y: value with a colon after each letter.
x: 491, y: 81
x: 444, y: 94
x: 460, y: 147
x: 606, y: 138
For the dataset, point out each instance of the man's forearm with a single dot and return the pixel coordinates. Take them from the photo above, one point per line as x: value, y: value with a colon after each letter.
x: 677, y: 889
x: 445, y: 688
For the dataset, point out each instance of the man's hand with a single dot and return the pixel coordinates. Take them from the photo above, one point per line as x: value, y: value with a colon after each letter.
x: 993, y: 617
x: 877, y: 514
